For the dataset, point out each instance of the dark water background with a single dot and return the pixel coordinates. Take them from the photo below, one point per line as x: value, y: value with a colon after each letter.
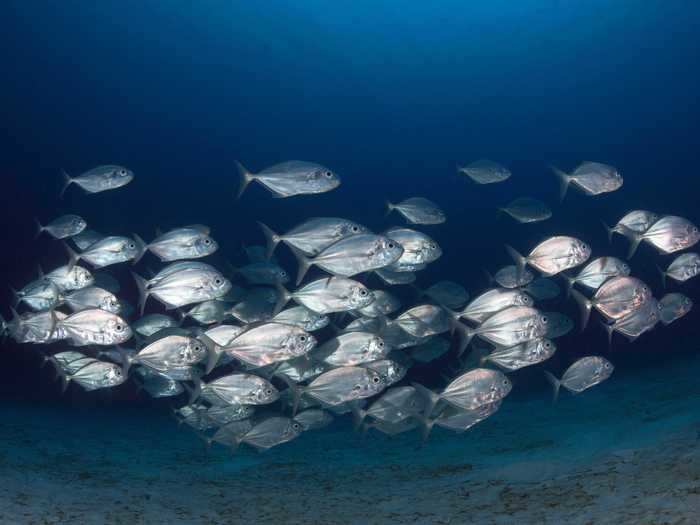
x: 391, y: 95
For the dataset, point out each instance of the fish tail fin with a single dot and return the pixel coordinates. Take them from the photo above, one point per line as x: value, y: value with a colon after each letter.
x: 303, y: 261
x: 568, y: 284
x: 295, y: 391
x: 488, y: 276
x: 609, y: 329
x: 206, y: 439
x: 40, y: 271
x: 272, y: 239
x: 283, y: 297
x: 430, y: 397
x: 663, y: 276
x: 608, y: 230
x: 464, y: 337
x: 246, y: 178
x: 16, y: 299
x: 73, y: 257
x: 142, y: 286
x: 518, y: 259
x: 39, y: 228
x: 584, y: 305
x: 564, y: 180
x: 389, y: 208
x: 426, y: 426
x: 194, y: 392
x: 358, y: 415
x: 634, y: 238
x: 127, y: 360
x: 556, y: 384
x: 141, y: 248
x: 212, y: 353
x: 66, y: 181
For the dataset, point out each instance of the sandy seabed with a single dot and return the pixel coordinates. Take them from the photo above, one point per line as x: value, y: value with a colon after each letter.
x: 625, y: 452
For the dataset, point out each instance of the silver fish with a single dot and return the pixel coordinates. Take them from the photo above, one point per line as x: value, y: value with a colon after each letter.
x: 673, y: 306
x: 38, y: 295
x: 493, y: 301
x: 175, y: 351
x: 182, y: 243
x: 230, y: 434
x: 207, y: 312
x: 511, y: 277
x: 394, y: 406
x: 615, y: 298
x: 460, y: 420
x: 669, y: 234
x: 347, y: 383
x: 522, y: 355
x: 637, y: 221
x: 68, y: 279
x: 527, y: 210
x: 583, y: 374
x: 271, y: 432
x: 592, y: 178
x: 86, y: 238
x: 432, y: 349
x: 683, y: 267
x: 95, y: 327
x: 418, y: 210
x: 596, y: 272
x: 270, y: 343
x: 62, y: 227
x: 398, y: 338
x: 313, y: 419
x: 302, y: 317
x: 391, y: 429
x: 542, y: 289
x: 96, y: 375
x: 257, y: 305
x: 328, y: 295
x: 152, y: 323
x: 384, y: 304
x: 469, y: 391
x: 352, y: 255
x: 242, y: 389
x: 394, y: 278
x: 391, y: 370
x: 424, y: 320
x: 351, y: 349
x: 221, y: 416
x: 509, y: 327
x: 35, y: 327
x: 110, y: 250
x: 418, y: 248
x: 447, y: 293
x: 313, y: 235
x: 485, y: 171
x: 553, y: 255
x: 287, y: 179
x: 264, y: 272
x: 92, y: 297
x: 101, y: 178
x: 636, y: 322
x: 558, y: 325
x: 301, y: 369
x: 158, y: 385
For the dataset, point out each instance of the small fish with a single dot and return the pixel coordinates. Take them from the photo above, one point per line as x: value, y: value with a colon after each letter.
x: 458, y: 419
x: 68, y: 279
x: 526, y: 210
x: 616, y: 298
x: 173, y: 352
x: 38, y: 295
x: 432, y: 349
x: 509, y: 327
x: 352, y: 255
x: 418, y: 248
x: 328, y: 295
x: 391, y: 370
x: 542, y: 289
x: 313, y: 419
x: 223, y: 334
x: 207, y: 312
x: 264, y: 272
x: 152, y: 324
x: 96, y: 375
x: 398, y: 338
x: 271, y: 432
x: 101, y: 178
x: 270, y: 343
x: 447, y: 293
x: 583, y: 374
x: 158, y: 385
x: 418, y: 210
x: 95, y: 327
x: 291, y: 178
x: 596, y: 272
x: 242, y: 389
x: 522, y: 355
x: 559, y: 325
x: 493, y: 301
x: 256, y: 306
x: 684, y: 267
x: 108, y: 251
x: 669, y: 234
x: 637, y: 221
x: 86, y: 238
x: 394, y: 278
x: 300, y: 369
x: 469, y: 391
x: 351, y: 349
x: 63, y: 227
x: 229, y: 435
x: 313, y: 236
x: 393, y: 406
x: 221, y: 416
x: 302, y: 317
x: 553, y: 255
x: 511, y: 277
x: 92, y: 297
x: 673, y: 306
x: 182, y: 243
x: 485, y: 172
x: 635, y: 323
x: 592, y: 178
x: 424, y: 320
x: 384, y: 304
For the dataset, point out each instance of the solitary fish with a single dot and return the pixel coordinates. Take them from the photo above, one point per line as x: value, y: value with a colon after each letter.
x: 683, y: 267
x: 418, y: 210
x: 553, y: 255
x: 526, y: 210
x: 592, y: 178
x: 615, y: 299
x: 583, y: 374
x: 63, y: 227
x: 673, y: 306
x: 99, y: 179
x: 313, y: 235
x: 669, y: 234
x: 485, y: 172
x: 637, y: 221
x: 287, y: 179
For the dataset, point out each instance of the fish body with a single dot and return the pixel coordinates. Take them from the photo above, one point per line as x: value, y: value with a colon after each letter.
x: 99, y: 179
x: 291, y: 178
x: 418, y: 210
x: 485, y: 172
x: 63, y: 227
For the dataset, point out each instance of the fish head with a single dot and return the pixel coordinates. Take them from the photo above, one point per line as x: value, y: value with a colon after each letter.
x: 130, y: 248
x: 193, y: 351
x: 522, y: 299
x: 116, y: 330
x: 580, y: 251
x: 82, y: 278
x: 281, y: 276
x: 394, y: 372
x: 374, y: 349
x: 217, y: 284
x: 113, y: 376
x: 624, y: 268
x: 205, y: 245
x: 293, y: 430
x: 266, y: 393
x: 360, y: 296
x: 110, y: 303
x: 429, y: 251
x: 605, y: 368
x: 348, y: 228
x: 386, y: 251
x: 322, y: 180
x: 122, y: 175
x: 299, y: 342
x: 372, y: 383
x: 77, y: 223
x: 692, y: 235
x: 500, y: 387
x: 316, y: 322
x: 543, y: 347
x: 617, y: 179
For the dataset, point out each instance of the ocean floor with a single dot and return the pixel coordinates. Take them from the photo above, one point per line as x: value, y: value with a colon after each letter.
x: 624, y: 452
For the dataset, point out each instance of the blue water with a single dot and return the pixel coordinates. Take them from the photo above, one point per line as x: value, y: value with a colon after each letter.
x: 390, y: 95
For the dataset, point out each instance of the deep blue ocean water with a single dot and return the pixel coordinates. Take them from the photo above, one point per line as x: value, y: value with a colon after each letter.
x: 391, y: 96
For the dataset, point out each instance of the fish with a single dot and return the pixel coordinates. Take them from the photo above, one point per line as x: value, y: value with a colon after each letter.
x: 86, y: 238
x: 327, y: 295
x: 493, y: 301
x: 684, y: 267
x: 636, y: 322
x: 68, y: 279
x: 527, y: 210
x: 263, y: 272
x: 424, y: 320
x: 669, y: 234
x: 207, y: 312
x: 158, y: 385
x: 268, y: 343
x: 271, y: 432
x: 393, y: 406
x: 447, y: 293
x: 152, y: 324
x: 638, y: 221
x: 559, y: 325
x: 595, y: 273
x: 673, y: 306
x: 242, y: 389
x: 418, y: 210
x: 302, y: 317
x: 94, y: 327
x: 418, y: 248
x: 469, y: 391
x: 229, y: 435
x: 62, y: 227
x: 553, y: 255
x: 542, y: 289
x: 394, y: 278
x: 432, y: 349
x: 457, y: 419
x: 522, y: 355
x: 38, y: 327
x: 174, y: 352
x: 509, y: 327
x: 96, y: 375
x: 485, y: 171
x: 581, y: 375
x: 92, y: 297
x: 224, y: 415
x: 313, y: 419
x: 312, y: 236
x: 181, y: 243
x: 392, y: 370
x: 615, y: 298
x: 108, y: 251
x: 257, y: 305
x: 592, y: 178
x: 180, y: 284
x: 291, y: 178
x: 511, y: 277
x: 352, y: 255
x: 351, y: 349
x: 38, y: 295
x: 384, y: 304
x: 99, y: 179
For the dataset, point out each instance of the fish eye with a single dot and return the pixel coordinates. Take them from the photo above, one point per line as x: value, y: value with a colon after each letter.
x: 390, y: 245
x: 547, y: 345
x: 432, y: 246
x: 355, y: 229
x: 217, y: 281
x: 607, y: 365
x: 283, y: 273
x: 302, y: 338
x: 545, y: 320
x: 119, y: 327
x: 381, y: 344
x: 207, y: 242
x: 506, y: 382
x: 197, y: 348
x: 122, y: 172
x: 375, y: 379
x: 328, y: 174
x: 296, y: 426
x: 695, y: 229
x: 132, y: 246
x: 363, y: 292
x: 268, y: 391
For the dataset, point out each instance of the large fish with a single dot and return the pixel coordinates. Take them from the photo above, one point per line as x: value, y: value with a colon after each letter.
x: 470, y: 390
x: 615, y: 299
x: 583, y: 374
x: 682, y: 268
x: 509, y: 327
x: 328, y: 295
x: 94, y: 327
x: 592, y: 178
x: 669, y: 234
x: 294, y: 177
x: 553, y: 255
x: 351, y: 349
x: 493, y: 301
